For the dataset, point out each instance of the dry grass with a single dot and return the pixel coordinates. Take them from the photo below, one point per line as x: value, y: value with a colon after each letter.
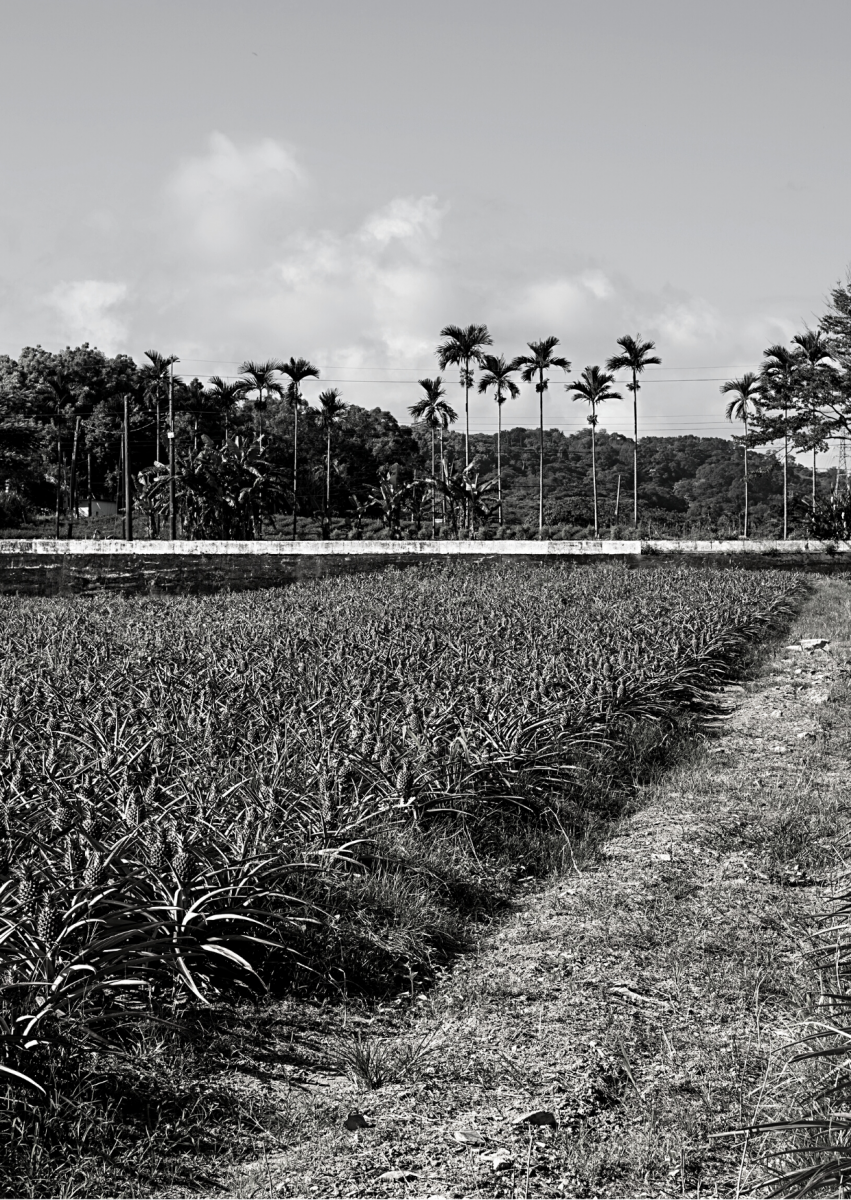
x: 643, y: 999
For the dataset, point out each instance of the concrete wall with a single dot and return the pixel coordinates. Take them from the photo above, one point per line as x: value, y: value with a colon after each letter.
x: 47, y: 567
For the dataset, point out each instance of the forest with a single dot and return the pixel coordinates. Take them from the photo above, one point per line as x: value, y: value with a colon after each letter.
x: 249, y: 457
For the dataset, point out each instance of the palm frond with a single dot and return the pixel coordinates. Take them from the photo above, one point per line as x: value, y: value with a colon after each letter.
x: 635, y: 355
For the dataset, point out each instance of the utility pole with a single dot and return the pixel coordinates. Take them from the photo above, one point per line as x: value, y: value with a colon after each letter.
x: 58, y: 481
x: 172, y: 507
x: 128, y: 498
x: 72, y: 486
x: 89, y: 482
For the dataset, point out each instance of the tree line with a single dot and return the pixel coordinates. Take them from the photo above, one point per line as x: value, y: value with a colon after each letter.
x: 236, y: 457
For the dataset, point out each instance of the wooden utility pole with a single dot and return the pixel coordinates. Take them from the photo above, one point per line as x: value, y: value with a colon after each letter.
x: 618, y: 498
x: 128, y: 495
x: 89, y: 482
x: 73, y: 509
x: 172, y: 507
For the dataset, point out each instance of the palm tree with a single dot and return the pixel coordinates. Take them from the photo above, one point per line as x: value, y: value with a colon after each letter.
x: 635, y: 357
x: 224, y: 395
x: 296, y: 369
x: 462, y: 347
x: 743, y: 406
x: 434, y: 411
x: 540, y: 360
x: 261, y: 377
x: 778, y: 368
x: 156, y: 376
x: 331, y: 408
x: 812, y: 349
x: 498, y: 376
x: 594, y: 386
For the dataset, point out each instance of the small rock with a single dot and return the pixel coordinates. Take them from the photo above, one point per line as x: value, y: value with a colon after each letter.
x: 540, y: 1116
x: 500, y: 1160
x: 468, y: 1137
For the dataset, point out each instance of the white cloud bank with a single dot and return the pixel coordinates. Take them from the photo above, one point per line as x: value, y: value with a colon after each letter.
x: 231, y: 195
x: 247, y: 257
x: 85, y: 310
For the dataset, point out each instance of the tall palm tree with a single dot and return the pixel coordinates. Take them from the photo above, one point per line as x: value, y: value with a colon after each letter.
x: 155, y: 373
x: 497, y: 375
x: 743, y: 405
x: 262, y: 378
x: 635, y: 357
x: 811, y: 350
x: 436, y: 413
x: 463, y: 346
x: 540, y: 360
x: 778, y: 368
x: 224, y: 395
x: 297, y: 370
x: 331, y: 408
x: 593, y: 386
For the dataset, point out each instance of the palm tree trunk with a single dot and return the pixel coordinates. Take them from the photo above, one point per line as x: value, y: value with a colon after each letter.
x: 328, y: 484
x: 295, y: 464
x: 468, y: 515
x: 443, y: 481
x: 785, y: 471
x: 466, y: 412
x: 635, y: 448
x: 594, y: 471
x: 433, y: 496
x: 541, y: 454
x: 746, y: 477
x: 499, y: 456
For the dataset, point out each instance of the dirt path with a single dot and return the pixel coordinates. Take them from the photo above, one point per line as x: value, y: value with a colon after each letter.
x: 639, y: 1001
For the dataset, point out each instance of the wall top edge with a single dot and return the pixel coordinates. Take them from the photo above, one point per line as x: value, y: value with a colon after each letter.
x: 105, y: 547
x: 425, y: 549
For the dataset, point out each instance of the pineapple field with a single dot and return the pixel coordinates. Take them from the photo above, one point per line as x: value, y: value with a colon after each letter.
x: 319, y: 789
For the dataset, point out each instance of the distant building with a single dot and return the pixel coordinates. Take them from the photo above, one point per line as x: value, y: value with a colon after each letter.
x: 100, y: 508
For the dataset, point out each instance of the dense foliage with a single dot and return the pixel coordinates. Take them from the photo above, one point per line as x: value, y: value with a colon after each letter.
x: 687, y: 485
x: 62, y: 417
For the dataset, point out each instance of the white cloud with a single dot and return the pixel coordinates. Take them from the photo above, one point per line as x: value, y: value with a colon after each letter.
x: 689, y: 323
x: 85, y: 310
x: 405, y: 219
x: 229, y: 195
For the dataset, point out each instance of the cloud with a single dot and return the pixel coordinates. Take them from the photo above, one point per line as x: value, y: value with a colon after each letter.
x: 224, y: 198
x: 85, y: 311
x: 689, y: 323
x: 245, y: 258
x: 404, y: 219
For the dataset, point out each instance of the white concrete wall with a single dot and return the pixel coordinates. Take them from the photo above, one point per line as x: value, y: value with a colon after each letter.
x: 425, y: 549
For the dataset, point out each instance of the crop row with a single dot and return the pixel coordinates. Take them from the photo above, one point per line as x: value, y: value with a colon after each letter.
x: 200, y: 791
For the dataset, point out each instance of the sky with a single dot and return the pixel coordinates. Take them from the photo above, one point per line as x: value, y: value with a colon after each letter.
x: 237, y: 179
